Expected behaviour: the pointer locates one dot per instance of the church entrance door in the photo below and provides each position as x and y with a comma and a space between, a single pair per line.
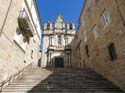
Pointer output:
59, 62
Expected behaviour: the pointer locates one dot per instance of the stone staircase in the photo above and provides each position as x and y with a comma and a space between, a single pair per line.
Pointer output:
60, 80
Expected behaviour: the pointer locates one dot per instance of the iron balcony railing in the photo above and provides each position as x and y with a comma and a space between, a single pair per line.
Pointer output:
25, 24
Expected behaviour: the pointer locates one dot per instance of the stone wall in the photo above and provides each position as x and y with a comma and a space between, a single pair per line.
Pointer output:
99, 58
12, 57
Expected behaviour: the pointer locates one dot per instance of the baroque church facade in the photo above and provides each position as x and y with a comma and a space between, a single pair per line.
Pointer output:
57, 37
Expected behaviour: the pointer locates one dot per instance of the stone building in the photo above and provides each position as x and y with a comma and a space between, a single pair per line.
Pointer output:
57, 37
100, 41
20, 31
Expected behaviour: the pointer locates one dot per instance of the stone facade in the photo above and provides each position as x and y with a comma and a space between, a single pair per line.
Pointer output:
56, 40
100, 40
19, 36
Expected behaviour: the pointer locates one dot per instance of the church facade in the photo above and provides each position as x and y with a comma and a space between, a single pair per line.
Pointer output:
57, 37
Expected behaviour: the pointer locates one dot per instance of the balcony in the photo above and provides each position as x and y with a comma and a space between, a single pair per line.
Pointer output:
25, 25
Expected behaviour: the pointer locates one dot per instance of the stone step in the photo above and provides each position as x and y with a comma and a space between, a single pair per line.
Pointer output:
74, 84
65, 91
44, 84
58, 89
55, 86
61, 88
61, 81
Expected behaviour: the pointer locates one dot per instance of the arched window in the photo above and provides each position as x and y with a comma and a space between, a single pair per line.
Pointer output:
70, 26
59, 41
48, 26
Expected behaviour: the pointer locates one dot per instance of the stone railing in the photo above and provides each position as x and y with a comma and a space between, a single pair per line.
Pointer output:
14, 77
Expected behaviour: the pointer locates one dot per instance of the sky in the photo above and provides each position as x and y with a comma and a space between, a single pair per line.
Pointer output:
69, 9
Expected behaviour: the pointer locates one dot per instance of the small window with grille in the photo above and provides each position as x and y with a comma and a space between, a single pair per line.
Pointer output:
112, 51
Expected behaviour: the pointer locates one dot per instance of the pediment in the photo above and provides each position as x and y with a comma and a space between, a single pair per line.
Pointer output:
59, 19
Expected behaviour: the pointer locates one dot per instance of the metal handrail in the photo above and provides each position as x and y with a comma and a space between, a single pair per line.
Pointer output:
15, 76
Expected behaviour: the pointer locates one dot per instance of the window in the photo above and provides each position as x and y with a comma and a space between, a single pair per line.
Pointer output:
63, 25
95, 31
59, 41
48, 26
105, 18
50, 40
88, 9
87, 50
70, 26
66, 40
112, 51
